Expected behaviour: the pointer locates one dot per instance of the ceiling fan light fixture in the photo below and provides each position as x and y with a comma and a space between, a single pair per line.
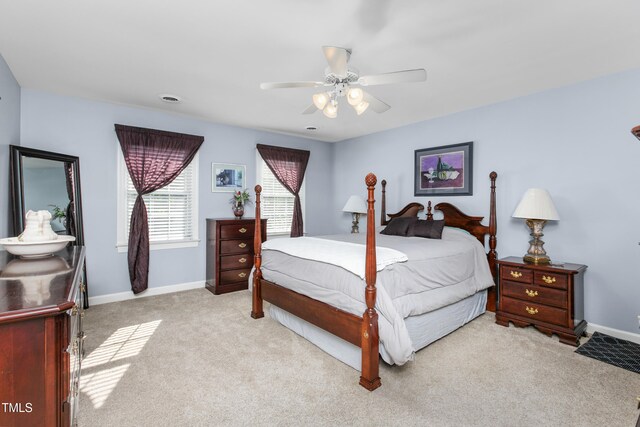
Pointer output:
355, 96
320, 100
361, 107
331, 110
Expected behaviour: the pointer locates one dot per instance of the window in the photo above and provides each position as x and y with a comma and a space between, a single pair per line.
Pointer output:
172, 210
277, 201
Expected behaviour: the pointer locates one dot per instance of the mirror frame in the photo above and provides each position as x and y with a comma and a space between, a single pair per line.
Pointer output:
17, 192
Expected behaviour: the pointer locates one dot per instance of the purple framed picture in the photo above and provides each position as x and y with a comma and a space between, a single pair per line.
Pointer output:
444, 171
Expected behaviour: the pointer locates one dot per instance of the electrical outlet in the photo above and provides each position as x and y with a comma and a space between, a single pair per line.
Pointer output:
639, 321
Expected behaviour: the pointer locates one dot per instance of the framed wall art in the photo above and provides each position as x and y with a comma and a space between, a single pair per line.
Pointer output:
444, 171
227, 177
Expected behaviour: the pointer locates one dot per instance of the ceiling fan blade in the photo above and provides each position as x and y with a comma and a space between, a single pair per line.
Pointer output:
375, 104
284, 85
310, 109
337, 57
406, 76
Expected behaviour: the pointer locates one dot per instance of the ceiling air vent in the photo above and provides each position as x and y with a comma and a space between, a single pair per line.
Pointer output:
171, 99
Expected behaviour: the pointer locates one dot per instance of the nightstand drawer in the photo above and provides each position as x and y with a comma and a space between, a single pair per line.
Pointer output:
236, 247
231, 262
551, 280
240, 231
233, 276
534, 311
535, 294
516, 274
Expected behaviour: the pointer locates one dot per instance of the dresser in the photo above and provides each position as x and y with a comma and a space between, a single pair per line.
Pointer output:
41, 310
230, 253
549, 297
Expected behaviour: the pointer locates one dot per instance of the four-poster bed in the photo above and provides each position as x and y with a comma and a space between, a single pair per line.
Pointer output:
363, 330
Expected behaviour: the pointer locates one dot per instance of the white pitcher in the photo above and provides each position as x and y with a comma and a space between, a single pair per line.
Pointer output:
38, 227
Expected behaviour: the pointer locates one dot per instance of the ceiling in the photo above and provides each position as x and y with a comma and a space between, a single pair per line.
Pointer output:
214, 54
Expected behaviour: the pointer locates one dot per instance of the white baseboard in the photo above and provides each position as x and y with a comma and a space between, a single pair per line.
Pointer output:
122, 296
624, 335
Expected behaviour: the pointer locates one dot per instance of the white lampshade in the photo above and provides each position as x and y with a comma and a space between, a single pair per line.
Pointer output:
355, 204
536, 204
362, 107
331, 110
320, 100
355, 96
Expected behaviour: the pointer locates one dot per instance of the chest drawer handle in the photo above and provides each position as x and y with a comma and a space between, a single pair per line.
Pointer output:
243, 230
242, 260
531, 310
74, 310
531, 293
548, 279
242, 245
516, 274
242, 275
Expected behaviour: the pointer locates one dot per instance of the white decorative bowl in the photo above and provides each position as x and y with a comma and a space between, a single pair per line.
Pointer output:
35, 249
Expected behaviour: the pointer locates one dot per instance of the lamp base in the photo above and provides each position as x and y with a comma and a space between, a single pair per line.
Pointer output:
536, 259
354, 224
536, 253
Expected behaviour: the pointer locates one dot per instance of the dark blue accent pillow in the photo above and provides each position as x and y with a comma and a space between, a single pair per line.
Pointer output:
399, 226
430, 229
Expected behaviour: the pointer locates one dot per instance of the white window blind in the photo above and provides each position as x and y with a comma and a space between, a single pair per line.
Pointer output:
171, 210
277, 201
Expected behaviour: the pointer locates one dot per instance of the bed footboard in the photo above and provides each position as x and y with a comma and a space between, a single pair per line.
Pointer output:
360, 331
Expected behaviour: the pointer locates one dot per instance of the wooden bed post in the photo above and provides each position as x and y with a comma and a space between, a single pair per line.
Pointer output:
493, 255
369, 377
256, 302
383, 208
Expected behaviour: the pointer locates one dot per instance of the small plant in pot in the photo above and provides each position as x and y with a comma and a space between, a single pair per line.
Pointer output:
238, 202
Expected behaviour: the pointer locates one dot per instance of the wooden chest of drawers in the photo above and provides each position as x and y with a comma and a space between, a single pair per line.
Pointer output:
549, 297
230, 253
41, 338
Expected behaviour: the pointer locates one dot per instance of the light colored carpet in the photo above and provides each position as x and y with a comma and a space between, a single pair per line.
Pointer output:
196, 359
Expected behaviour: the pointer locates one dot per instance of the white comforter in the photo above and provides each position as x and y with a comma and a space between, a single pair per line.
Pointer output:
350, 256
437, 273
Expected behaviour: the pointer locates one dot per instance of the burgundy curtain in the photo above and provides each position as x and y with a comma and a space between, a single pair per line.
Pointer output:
71, 208
288, 165
154, 159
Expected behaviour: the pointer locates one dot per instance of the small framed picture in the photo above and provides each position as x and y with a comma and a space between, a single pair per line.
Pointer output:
227, 177
444, 171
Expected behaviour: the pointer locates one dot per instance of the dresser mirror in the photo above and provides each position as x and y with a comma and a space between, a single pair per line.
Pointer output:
43, 180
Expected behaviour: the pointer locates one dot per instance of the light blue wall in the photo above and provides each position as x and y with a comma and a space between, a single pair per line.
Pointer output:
575, 141
9, 135
85, 128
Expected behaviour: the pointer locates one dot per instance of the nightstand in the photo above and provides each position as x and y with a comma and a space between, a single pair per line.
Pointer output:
549, 297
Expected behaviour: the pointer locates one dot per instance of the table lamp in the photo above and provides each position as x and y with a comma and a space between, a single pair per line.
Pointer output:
356, 205
537, 208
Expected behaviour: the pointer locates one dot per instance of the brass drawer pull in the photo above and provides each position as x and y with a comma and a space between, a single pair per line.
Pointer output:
531, 293
531, 310
242, 260
242, 274
242, 245
74, 310
516, 274
548, 279
243, 230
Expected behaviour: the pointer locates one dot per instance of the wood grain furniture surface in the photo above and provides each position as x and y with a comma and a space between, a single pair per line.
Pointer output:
549, 297
361, 331
230, 253
41, 337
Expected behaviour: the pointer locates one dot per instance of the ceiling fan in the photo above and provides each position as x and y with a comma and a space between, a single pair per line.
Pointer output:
341, 80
